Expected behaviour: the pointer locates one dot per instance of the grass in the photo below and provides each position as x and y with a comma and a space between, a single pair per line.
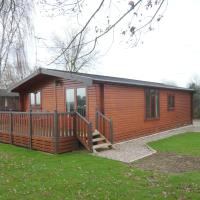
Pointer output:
34, 175
185, 144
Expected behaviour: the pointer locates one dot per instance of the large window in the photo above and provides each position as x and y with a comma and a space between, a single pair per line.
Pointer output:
171, 102
152, 103
35, 98
76, 100
70, 100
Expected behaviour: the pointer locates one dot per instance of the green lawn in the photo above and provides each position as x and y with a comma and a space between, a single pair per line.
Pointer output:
34, 175
185, 144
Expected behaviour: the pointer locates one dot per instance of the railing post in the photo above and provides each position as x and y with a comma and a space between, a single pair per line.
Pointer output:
97, 122
55, 131
90, 135
74, 123
11, 127
30, 129
111, 131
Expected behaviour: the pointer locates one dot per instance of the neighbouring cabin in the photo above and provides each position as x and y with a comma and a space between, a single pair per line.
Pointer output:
9, 101
121, 109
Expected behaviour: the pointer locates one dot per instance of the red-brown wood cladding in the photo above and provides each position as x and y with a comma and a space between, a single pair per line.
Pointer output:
126, 106
53, 96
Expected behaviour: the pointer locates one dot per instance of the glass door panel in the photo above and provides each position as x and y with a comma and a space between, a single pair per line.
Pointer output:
70, 100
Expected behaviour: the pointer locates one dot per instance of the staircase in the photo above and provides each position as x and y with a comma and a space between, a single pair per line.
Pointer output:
99, 142
99, 139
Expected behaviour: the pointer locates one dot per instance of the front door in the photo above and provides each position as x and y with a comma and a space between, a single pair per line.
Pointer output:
76, 100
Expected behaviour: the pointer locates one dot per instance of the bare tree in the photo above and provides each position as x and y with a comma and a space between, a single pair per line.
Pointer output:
75, 58
14, 26
17, 70
142, 14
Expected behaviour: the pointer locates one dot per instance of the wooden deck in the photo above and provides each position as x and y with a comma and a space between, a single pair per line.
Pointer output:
48, 132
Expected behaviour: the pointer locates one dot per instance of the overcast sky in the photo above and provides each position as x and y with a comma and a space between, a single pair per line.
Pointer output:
169, 53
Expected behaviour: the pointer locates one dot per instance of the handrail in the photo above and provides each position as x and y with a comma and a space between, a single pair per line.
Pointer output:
105, 117
83, 118
84, 131
100, 123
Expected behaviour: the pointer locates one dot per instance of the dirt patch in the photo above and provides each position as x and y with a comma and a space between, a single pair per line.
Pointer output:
169, 162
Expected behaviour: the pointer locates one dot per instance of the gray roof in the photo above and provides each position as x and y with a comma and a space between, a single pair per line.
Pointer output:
6, 93
89, 79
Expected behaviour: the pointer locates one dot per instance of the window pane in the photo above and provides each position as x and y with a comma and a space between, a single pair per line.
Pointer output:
38, 98
6, 102
152, 103
148, 104
157, 105
2, 103
171, 101
70, 100
32, 99
81, 101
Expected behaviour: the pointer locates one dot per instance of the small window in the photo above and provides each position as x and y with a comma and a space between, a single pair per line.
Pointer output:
171, 102
152, 103
32, 96
35, 98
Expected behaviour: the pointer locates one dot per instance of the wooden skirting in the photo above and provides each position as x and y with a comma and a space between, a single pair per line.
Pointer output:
46, 144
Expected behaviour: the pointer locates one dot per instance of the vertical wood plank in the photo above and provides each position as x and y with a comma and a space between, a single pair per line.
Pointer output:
30, 129
55, 132
11, 128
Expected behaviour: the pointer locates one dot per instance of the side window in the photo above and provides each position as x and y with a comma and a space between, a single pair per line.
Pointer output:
32, 99
35, 98
70, 100
170, 102
152, 103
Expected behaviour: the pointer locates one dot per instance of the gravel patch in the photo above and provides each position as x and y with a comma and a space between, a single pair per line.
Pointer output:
136, 149
169, 163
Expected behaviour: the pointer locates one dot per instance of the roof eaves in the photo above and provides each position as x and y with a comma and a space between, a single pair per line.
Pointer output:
145, 85
10, 89
67, 75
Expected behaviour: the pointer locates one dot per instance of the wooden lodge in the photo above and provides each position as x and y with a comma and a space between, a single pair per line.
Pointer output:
60, 110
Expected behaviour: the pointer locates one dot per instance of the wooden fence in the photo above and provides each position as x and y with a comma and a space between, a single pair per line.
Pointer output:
45, 131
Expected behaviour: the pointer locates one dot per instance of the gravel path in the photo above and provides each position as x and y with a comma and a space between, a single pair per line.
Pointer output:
136, 149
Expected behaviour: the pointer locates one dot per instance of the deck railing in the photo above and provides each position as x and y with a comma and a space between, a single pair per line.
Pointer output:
56, 130
84, 131
5, 122
104, 125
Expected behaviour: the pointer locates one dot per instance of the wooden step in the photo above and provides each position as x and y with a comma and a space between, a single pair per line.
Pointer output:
95, 133
99, 146
98, 139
